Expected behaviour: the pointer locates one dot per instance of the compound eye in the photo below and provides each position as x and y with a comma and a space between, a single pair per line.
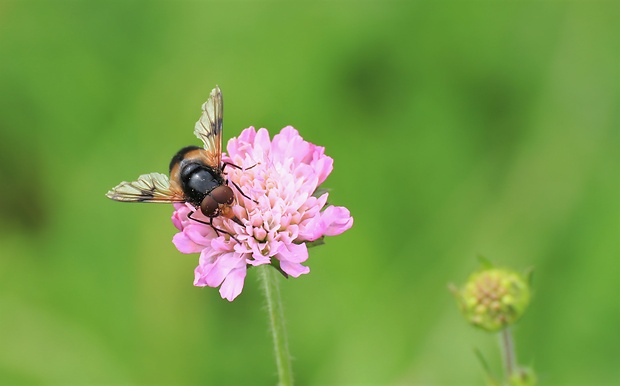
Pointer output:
209, 207
223, 195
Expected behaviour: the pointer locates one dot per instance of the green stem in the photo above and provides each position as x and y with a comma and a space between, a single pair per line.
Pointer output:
508, 349
269, 278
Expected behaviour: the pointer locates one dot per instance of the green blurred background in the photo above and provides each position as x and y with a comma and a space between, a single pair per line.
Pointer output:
457, 129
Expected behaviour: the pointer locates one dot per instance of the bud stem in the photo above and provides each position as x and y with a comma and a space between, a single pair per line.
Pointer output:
269, 278
508, 351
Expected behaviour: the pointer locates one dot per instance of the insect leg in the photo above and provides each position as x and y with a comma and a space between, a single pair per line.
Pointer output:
237, 186
241, 191
210, 223
195, 219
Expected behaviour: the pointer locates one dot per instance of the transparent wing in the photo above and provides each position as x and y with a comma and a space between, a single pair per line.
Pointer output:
209, 126
153, 187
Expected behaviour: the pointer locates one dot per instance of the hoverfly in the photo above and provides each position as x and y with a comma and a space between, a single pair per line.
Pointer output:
196, 174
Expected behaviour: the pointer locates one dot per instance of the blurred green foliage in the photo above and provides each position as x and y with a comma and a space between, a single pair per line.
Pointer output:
457, 128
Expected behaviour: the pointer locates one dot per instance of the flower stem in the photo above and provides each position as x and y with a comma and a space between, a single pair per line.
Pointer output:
269, 278
508, 351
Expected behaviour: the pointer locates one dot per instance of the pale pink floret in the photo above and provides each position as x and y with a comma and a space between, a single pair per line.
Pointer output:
281, 175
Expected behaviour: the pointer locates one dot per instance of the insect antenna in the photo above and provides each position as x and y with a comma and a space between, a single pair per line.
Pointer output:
237, 166
233, 182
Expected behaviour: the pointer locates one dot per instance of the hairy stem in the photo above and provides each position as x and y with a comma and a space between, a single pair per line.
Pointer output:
269, 278
508, 352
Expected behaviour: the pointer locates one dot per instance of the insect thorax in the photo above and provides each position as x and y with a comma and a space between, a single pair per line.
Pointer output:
197, 180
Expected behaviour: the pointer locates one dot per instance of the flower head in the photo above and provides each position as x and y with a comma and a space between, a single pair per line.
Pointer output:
493, 298
281, 176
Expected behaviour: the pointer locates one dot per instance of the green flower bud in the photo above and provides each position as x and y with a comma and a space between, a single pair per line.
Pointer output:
524, 376
493, 298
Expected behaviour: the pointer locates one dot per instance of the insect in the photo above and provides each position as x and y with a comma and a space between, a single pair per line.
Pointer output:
196, 174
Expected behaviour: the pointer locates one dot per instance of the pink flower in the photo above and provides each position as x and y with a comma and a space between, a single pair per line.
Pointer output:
281, 175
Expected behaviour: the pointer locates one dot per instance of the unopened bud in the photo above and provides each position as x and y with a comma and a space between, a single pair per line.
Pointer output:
524, 376
493, 298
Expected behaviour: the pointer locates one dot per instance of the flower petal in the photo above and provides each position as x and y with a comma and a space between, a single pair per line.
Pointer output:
237, 147
185, 245
289, 144
323, 167
233, 284
336, 220
222, 266
290, 257
294, 269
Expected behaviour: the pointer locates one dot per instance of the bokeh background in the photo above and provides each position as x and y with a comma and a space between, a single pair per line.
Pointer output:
458, 129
